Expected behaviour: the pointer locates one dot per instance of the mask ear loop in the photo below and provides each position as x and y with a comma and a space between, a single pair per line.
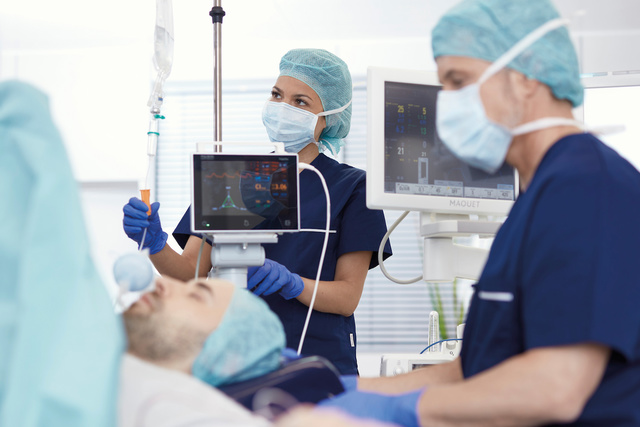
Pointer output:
546, 122
521, 46
327, 113
336, 110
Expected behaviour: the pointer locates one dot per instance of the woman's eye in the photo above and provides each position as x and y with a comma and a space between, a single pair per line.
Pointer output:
457, 83
275, 95
301, 102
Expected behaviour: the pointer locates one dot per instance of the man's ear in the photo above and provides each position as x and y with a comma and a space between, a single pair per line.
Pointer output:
525, 87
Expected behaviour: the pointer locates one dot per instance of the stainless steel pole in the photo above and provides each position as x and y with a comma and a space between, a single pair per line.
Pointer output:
217, 13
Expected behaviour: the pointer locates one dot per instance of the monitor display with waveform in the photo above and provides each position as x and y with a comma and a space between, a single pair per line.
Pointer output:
235, 192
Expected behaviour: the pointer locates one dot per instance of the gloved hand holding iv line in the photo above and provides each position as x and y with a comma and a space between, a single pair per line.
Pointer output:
143, 228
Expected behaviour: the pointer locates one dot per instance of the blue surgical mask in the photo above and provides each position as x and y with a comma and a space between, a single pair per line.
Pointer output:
463, 124
292, 126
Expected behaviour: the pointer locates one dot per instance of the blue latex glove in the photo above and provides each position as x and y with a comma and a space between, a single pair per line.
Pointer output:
136, 220
273, 277
349, 382
399, 409
289, 354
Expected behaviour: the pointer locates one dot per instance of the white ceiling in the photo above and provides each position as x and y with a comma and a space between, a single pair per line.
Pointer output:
36, 24
88, 53
255, 26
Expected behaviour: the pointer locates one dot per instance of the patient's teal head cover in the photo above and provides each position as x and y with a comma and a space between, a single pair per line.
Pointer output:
60, 342
247, 343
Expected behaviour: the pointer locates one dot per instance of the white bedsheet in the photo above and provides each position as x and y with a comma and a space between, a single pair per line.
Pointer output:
157, 397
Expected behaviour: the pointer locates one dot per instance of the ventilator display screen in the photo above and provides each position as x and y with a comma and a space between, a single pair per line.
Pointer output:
233, 192
418, 163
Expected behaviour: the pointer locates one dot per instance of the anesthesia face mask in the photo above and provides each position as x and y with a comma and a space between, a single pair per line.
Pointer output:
134, 275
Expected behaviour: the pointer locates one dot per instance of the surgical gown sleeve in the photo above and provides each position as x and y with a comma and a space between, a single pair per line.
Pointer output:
60, 342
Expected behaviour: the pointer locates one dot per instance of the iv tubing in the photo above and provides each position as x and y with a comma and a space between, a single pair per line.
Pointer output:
200, 256
152, 145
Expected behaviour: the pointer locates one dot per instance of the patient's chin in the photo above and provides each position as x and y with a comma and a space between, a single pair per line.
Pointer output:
153, 338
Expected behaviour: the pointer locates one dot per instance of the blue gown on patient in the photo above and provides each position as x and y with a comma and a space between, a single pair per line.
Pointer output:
563, 270
358, 228
60, 342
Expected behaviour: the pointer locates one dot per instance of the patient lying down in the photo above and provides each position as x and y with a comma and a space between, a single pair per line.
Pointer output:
185, 338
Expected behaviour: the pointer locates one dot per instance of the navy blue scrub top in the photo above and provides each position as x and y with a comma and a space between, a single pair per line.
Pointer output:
563, 270
358, 228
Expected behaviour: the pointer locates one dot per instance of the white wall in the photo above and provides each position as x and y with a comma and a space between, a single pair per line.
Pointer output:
102, 205
95, 72
96, 63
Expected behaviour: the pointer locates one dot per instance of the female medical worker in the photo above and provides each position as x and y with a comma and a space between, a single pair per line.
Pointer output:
310, 110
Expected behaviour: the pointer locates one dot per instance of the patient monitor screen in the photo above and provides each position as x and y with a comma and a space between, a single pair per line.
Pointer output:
245, 192
417, 162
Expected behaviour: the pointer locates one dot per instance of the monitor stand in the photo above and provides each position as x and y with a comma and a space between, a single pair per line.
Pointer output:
233, 253
444, 260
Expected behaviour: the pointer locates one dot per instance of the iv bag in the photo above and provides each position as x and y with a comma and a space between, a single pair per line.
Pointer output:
163, 38
163, 49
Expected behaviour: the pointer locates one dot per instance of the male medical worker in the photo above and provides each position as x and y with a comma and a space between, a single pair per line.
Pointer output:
185, 339
553, 332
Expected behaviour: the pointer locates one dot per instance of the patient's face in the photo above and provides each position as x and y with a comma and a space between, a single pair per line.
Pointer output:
172, 322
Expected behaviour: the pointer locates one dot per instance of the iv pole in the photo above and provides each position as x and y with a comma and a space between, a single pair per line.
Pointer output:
217, 14
232, 253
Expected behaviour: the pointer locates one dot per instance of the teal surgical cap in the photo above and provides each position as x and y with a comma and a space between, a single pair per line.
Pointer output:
485, 29
329, 77
60, 341
246, 344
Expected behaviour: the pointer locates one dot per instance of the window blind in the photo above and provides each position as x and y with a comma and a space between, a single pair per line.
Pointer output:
390, 317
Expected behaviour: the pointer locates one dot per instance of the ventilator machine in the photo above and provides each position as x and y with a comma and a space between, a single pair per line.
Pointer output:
457, 203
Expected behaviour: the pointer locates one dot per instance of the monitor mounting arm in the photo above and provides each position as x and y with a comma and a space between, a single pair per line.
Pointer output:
444, 259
